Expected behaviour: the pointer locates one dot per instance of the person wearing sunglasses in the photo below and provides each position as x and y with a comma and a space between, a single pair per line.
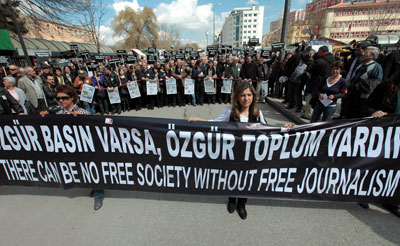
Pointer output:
66, 96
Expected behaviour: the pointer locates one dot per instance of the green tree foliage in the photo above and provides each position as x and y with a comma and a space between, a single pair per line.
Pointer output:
140, 28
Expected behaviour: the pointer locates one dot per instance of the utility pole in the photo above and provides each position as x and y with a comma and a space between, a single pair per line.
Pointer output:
285, 22
21, 40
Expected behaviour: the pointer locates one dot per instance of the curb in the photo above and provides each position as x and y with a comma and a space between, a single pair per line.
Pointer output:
291, 116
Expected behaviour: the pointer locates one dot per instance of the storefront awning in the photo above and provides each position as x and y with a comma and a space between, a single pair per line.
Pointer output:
5, 42
55, 47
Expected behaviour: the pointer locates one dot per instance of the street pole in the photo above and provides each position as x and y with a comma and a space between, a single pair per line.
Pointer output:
21, 40
214, 27
285, 22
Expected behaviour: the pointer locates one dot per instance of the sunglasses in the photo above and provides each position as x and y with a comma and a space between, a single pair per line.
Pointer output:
62, 98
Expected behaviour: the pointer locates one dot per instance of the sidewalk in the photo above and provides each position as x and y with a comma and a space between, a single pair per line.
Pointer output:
290, 113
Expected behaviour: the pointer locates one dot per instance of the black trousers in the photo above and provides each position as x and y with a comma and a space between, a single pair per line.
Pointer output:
238, 201
295, 96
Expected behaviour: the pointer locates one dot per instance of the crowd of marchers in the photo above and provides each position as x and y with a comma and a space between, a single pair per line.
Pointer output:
310, 81
36, 87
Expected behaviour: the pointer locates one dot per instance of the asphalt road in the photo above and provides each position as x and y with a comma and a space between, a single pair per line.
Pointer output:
47, 216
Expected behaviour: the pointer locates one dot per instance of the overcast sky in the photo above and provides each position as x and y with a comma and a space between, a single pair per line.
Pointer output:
194, 17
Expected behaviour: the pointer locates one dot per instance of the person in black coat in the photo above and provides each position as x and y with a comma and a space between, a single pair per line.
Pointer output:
111, 82
383, 101
249, 71
8, 103
147, 74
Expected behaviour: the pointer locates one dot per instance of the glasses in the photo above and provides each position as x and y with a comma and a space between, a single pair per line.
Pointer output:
13, 69
62, 98
81, 74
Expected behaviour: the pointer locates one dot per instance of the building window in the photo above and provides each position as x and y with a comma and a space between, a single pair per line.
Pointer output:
357, 34
255, 20
255, 26
397, 21
365, 23
359, 23
341, 35
245, 20
351, 34
347, 34
254, 31
332, 35
339, 24
245, 15
255, 15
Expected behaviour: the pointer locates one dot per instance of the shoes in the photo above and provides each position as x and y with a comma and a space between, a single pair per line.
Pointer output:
289, 106
201, 104
242, 211
98, 204
392, 208
304, 117
364, 205
231, 207
298, 110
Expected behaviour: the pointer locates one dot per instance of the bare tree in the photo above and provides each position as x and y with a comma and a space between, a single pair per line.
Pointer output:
53, 10
92, 18
168, 37
316, 22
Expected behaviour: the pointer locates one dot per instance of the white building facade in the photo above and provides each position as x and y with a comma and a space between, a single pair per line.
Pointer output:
242, 24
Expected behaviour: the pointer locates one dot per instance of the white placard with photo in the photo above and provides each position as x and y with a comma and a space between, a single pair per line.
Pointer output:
264, 88
114, 96
87, 93
171, 86
151, 87
209, 86
133, 89
189, 87
226, 87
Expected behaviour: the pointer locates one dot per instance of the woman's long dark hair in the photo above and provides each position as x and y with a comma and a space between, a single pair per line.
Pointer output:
237, 108
393, 88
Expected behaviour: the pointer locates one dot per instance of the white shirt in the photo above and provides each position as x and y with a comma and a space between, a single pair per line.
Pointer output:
226, 114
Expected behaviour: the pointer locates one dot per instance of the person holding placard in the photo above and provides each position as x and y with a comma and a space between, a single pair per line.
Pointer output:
123, 90
177, 74
111, 82
147, 76
170, 99
211, 75
327, 92
79, 82
100, 95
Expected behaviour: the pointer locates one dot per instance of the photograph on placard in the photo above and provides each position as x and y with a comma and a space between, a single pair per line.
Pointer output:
171, 86
151, 87
133, 89
87, 93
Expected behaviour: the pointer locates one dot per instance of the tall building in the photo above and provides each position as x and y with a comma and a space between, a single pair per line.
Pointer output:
242, 24
348, 20
297, 16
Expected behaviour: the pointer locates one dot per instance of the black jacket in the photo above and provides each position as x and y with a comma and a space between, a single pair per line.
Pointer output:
248, 71
8, 102
50, 93
111, 80
321, 68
